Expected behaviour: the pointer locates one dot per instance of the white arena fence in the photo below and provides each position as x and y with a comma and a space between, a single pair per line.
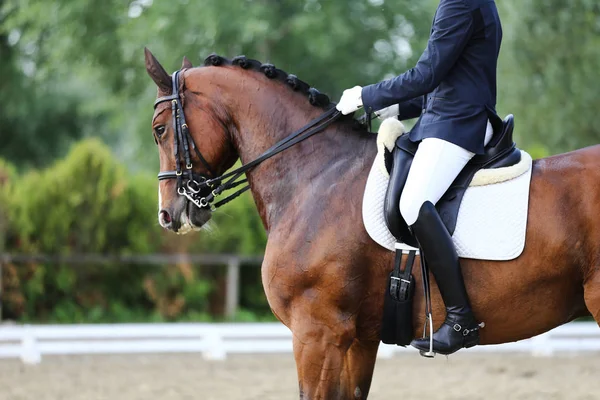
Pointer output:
214, 341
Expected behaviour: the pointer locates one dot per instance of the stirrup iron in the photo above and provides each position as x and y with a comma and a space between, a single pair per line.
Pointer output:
428, 321
428, 316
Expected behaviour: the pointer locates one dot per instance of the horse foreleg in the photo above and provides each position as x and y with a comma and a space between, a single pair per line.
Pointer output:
333, 367
328, 309
591, 293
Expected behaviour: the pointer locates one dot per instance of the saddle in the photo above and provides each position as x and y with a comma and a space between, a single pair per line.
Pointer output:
500, 152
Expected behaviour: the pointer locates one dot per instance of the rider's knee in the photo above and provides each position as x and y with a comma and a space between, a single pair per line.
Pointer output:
409, 208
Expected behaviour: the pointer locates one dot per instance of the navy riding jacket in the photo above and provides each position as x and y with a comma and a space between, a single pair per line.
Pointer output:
453, 86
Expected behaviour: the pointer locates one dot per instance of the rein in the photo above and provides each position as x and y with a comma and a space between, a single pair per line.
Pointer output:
202, 190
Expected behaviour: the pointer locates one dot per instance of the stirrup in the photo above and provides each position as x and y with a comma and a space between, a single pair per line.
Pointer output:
430, 353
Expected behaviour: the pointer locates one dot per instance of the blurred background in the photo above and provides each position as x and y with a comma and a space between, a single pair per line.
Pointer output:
78, 164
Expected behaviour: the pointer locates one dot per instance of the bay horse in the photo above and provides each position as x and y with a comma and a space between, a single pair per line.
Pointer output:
323, 276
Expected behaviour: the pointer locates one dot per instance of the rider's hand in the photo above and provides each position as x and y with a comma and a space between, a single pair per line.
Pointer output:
388, 112
351, 100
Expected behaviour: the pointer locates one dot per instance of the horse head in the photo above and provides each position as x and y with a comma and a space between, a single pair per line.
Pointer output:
192, 132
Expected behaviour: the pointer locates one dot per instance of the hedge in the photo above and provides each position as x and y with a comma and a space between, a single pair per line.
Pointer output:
89, 203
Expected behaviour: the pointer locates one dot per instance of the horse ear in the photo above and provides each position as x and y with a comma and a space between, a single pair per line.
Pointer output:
186, 63
157, 72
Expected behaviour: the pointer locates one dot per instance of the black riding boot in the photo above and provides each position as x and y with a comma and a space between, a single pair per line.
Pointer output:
460, 329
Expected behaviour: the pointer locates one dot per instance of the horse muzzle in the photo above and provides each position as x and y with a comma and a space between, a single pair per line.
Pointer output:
183, 217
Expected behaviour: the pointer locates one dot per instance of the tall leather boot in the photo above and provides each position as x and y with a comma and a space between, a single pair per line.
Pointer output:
460, 329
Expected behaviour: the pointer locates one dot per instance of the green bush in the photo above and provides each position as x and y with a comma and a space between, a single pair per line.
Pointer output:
7, 174
88, 203
83, 203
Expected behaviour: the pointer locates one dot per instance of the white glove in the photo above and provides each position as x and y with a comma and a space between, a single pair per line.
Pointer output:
351, 100
388, 112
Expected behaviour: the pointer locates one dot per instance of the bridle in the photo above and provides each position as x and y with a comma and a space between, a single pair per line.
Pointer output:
201, 189
182, 140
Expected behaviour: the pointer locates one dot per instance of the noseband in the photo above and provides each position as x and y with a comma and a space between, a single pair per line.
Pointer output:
201, 189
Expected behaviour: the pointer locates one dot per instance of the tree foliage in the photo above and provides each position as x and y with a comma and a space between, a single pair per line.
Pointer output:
74, 68
94, 50
38, 116
549, 72
88, 203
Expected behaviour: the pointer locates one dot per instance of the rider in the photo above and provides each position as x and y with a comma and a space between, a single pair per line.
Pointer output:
453, 89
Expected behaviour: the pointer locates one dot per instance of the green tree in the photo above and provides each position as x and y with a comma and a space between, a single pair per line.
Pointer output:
549, 72
87, 203
93, 50
40, 115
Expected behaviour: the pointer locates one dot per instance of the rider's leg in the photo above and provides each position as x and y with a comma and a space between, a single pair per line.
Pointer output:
435, 166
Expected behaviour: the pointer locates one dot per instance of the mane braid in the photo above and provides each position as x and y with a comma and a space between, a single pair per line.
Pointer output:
315, 97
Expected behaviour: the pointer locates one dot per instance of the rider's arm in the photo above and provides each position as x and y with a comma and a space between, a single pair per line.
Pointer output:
405, 110
410, 109
452, 29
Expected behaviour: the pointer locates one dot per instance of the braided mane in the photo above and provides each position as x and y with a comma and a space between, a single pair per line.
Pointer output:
315, 97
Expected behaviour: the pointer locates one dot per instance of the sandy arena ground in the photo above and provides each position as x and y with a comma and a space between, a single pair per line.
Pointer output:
137, 377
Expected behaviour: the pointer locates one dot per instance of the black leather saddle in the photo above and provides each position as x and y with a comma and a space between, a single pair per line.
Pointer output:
500, 152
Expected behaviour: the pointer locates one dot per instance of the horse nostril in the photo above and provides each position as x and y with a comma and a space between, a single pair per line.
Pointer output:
164, 218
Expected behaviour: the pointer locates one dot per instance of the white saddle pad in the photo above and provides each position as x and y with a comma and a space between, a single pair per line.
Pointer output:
492, 218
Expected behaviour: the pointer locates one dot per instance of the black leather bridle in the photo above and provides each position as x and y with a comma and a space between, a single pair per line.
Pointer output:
182, 140
202, 189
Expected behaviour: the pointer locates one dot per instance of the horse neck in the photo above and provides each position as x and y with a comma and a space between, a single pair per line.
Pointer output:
262, 120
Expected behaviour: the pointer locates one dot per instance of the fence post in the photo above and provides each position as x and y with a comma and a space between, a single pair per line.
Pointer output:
232, 295
30, 353
214, 349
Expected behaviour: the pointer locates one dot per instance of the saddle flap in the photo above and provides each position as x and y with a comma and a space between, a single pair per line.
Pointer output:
402, 160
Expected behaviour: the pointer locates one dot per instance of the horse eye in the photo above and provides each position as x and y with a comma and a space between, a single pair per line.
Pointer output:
159, 130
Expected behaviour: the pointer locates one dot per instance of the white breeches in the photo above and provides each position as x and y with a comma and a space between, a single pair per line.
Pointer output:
435, 166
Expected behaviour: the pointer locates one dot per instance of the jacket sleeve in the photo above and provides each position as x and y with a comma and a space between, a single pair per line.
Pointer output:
411, 108
451, 31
